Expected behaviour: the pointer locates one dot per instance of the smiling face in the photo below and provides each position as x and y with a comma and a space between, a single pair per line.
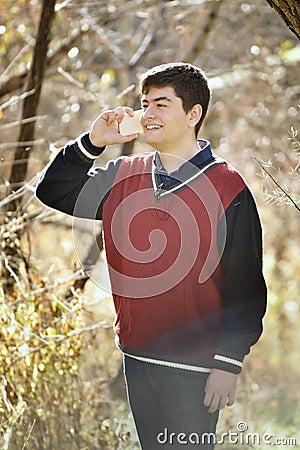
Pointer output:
166, 125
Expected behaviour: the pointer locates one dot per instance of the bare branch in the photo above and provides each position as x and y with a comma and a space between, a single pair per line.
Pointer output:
13, 63
29, 186
70, 78
21, 121
18, 81
17, 98
116, 51
62, 338
28, 436
287, 195
23, 143
148, 38
200, 41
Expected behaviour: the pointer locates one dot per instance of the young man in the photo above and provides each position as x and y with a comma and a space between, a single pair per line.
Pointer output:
184, 251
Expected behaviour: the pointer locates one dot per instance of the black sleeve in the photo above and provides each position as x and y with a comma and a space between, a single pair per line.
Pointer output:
70, 185
245, 291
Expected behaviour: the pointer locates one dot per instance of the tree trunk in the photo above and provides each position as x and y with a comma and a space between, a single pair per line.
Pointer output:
289, 11
12, 254
30, 105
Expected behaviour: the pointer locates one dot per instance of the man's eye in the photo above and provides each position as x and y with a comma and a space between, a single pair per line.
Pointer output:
161, 105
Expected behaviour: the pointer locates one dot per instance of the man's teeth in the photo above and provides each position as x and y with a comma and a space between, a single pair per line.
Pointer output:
153, 127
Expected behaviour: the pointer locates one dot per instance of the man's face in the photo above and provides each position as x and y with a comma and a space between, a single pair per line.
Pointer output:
164, 120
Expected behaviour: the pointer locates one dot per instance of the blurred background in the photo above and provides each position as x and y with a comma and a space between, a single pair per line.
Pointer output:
61, 63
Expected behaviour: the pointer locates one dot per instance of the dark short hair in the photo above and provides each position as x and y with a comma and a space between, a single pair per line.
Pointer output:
188, 81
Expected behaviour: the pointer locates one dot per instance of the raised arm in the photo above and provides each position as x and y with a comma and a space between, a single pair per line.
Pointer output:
69, 184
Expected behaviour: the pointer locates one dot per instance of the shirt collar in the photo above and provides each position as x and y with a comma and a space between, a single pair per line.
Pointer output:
164, 183
200, 158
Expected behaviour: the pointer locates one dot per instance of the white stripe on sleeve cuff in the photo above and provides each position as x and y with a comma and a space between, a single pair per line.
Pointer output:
228, 360
83, 149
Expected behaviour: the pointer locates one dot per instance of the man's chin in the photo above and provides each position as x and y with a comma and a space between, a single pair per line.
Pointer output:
152, 142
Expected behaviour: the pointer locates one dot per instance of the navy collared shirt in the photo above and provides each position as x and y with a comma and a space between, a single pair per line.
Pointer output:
197, 161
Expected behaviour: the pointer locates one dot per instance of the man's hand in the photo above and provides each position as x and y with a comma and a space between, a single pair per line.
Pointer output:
220, 390
105, 129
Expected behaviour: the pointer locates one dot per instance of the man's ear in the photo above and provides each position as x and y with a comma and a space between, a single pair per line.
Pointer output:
195, 115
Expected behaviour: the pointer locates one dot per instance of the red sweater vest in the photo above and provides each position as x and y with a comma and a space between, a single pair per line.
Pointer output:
164, 260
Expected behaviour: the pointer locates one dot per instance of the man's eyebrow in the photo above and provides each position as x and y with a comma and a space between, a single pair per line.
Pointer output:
158, 99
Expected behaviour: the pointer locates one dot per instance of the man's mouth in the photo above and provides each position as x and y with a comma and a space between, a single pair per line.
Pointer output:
153, 127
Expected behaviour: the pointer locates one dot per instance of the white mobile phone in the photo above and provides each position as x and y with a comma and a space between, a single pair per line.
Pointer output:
131, 125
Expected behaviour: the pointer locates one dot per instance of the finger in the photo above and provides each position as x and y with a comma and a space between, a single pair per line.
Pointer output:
104, 116
110, 117
214, 405
222, 402
207, 399
119, 111
128, 138
129, 111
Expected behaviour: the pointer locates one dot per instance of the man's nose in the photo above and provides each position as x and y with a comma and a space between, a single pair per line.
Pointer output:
149, 112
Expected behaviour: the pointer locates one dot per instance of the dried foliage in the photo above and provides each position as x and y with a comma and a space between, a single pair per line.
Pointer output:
44, 398
41, 344
47, 400
283, 187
